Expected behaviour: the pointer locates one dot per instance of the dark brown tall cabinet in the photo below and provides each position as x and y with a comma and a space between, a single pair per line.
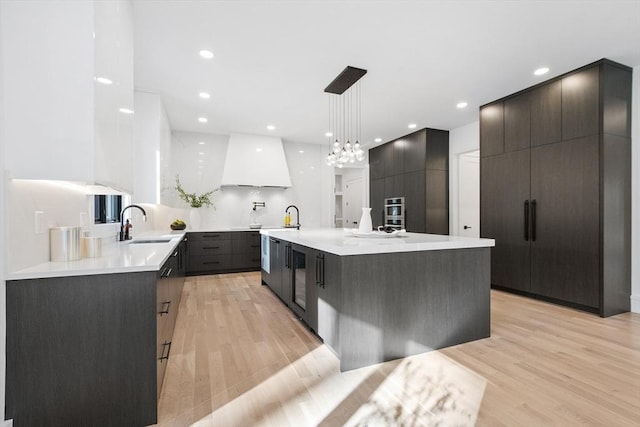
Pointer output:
415, 167
555, 188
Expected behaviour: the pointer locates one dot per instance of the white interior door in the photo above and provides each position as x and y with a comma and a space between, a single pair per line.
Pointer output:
353, 202
469, 194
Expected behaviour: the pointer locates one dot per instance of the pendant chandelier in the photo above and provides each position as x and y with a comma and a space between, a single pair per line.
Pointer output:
345, 118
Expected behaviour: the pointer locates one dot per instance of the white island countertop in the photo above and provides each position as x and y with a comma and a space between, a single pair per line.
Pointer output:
342, 242
121, 257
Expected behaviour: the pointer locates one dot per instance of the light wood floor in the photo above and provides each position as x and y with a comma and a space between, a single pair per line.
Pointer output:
240, 358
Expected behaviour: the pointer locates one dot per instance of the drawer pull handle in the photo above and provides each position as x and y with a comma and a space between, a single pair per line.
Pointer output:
211, 247
165, 308
165, 346
211, 262
166, 273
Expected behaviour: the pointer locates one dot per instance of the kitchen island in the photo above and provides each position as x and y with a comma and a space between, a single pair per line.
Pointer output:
378, 299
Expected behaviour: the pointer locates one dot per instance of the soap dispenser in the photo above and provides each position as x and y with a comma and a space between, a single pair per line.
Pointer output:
287, 219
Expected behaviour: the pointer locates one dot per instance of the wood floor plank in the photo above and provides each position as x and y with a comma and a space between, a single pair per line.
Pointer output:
240, 358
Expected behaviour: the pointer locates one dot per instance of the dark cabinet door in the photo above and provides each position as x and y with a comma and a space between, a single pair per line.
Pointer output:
437, 202
545, 106
286, 265
399, 150
276, 265
329, 301
376, 201
492, 129
387, 158
315, 271
505, 187
436, 150
565, 252
415, 204
415, 151
389, 186
580, 104
376, 166
517, 123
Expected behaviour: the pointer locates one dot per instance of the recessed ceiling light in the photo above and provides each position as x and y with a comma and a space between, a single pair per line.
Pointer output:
206, 54
103, 80
258, 149
201, 142
541, 71
378, 140
203, 119
201, 152
301, 151
328, 134
461, 104
413, 126
200, 160
271, 127
126, 111
204, 95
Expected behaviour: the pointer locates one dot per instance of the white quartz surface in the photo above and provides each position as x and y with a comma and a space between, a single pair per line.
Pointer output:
122, 257
342, 242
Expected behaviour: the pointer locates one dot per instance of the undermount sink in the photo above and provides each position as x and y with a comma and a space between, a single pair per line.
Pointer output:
133, 242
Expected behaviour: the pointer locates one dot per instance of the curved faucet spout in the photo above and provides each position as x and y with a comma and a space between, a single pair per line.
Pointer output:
144, 218
297, 214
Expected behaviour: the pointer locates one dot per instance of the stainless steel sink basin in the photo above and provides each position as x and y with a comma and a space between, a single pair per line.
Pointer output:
133, 242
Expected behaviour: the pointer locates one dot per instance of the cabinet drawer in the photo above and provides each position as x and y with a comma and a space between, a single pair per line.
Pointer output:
207, 237
213, 247
245, 261
209, 262
248, 246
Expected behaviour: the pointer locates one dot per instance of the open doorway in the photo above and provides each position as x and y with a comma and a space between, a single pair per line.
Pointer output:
469, 194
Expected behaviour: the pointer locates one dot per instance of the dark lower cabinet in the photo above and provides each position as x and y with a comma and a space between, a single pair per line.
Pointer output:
91, 350
223, 252
81, 350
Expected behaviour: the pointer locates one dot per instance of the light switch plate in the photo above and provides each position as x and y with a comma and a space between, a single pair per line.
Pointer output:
39, 222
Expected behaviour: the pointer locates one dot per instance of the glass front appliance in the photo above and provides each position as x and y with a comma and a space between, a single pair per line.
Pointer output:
394, 212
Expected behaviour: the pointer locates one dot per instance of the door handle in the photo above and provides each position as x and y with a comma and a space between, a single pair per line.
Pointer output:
526, 220
533, 221
467, 227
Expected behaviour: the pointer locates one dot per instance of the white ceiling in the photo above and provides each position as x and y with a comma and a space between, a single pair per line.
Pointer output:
273, 59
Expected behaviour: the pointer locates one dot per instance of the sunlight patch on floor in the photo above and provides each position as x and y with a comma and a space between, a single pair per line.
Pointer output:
423, 390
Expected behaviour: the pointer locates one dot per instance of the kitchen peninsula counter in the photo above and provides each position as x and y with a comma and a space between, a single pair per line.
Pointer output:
378, 299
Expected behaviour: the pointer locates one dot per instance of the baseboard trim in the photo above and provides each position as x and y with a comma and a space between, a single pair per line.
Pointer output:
635, 303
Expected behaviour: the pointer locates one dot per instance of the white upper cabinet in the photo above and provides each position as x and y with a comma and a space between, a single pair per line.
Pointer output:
59, 123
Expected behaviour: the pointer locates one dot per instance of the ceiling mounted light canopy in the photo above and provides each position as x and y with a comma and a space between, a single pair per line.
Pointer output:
345, 117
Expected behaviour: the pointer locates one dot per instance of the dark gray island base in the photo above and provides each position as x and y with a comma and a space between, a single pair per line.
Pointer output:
378, 306
401, 304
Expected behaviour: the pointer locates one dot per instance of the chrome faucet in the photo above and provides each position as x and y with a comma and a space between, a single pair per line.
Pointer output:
297, 215
123, 235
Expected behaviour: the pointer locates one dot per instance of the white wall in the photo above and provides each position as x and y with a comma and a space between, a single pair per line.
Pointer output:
200, 168
635, 193
461, 140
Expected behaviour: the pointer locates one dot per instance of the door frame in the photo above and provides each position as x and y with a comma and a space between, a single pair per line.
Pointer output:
455, 217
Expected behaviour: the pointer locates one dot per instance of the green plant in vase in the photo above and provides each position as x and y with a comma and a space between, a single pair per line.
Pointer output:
194, 200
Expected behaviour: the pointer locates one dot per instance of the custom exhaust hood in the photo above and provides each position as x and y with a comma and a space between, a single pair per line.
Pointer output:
255, 161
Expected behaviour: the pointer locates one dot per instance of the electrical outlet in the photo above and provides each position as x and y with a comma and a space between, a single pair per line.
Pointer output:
39, 222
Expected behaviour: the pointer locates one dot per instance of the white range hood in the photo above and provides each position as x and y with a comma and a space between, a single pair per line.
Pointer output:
255, 161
